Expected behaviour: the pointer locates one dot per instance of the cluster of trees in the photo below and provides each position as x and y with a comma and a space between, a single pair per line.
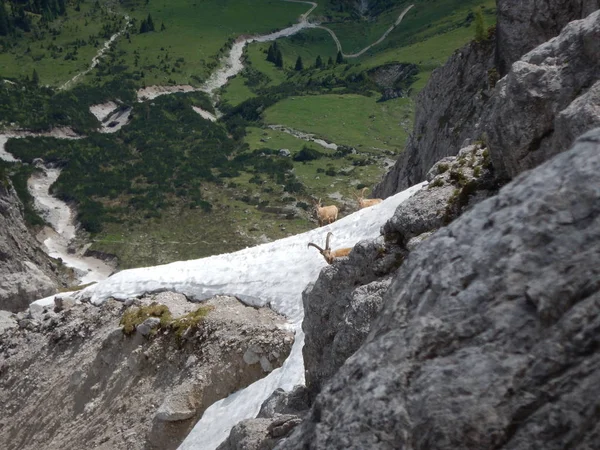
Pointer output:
164, 153
147, 25
18, 17
40, 108
274, 55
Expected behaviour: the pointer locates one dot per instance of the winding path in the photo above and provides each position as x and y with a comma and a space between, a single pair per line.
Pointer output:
379, 41
101, 52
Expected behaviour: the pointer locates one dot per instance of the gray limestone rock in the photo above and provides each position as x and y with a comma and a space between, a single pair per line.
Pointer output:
488, 337
22, 279
548, 98
341, 306
278, 416
7, 321
452, 183
146, 327
73, 379
523, 25
281, 402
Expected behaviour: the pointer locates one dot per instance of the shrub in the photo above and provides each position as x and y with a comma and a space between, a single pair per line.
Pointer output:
307, 154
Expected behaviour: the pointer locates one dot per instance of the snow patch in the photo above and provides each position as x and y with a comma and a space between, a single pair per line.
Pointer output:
273, 274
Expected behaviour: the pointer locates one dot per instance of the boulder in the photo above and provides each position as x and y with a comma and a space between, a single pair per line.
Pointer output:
278, 416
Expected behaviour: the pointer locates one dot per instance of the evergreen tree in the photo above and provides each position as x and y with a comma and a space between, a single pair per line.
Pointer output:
330, 61
150, 23
3, 20
271, 54
279, 59
144, 27
62, 9
479, 26
162, 27
339, 59
319, 62
35, 79
299, 65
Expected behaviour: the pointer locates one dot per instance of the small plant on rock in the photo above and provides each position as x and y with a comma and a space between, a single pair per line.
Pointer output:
135, 316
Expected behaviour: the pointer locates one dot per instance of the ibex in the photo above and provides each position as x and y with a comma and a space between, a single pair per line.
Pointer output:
326, 214
328, 254
366, 202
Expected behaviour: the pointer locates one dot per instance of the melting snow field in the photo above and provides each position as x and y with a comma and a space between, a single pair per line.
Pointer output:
272, 274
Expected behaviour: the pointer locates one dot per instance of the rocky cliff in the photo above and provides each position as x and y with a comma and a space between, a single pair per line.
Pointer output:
488, 335
119, 377
549, 97
450, 108
523, 25
26, 273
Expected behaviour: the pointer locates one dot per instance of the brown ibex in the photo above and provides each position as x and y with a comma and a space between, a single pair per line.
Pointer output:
366, 202
328, 254
326, 214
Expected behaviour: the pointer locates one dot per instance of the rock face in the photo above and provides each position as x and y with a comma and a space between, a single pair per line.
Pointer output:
523, 25
348, 295
450, 108
488, 336
22, 279
549, 98
73, 379
447, 113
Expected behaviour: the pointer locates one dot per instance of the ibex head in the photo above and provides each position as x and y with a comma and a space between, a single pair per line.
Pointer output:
328, 254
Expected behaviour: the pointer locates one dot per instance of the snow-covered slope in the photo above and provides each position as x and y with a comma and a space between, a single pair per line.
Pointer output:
272, 274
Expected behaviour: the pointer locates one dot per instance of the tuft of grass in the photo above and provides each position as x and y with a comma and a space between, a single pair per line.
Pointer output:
135, 316
443, 167
190, 320
438, 182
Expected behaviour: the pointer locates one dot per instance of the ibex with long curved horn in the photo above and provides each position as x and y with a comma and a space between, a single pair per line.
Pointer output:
328, 254
366, 202
327, 214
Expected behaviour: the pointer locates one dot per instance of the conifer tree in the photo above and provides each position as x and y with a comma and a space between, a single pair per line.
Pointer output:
162, 27
279, 59
150, 23
330, 61
3, 20
319, 62
479, 26
144, 27
271, 54
35, 79
299, 65
339, 59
